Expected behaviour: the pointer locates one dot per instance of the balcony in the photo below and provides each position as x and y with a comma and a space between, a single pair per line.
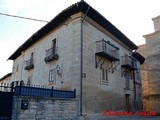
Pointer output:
29, 64
107, 50
129, 62
51, 54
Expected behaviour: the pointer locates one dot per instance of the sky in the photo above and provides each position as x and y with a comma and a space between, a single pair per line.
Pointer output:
131, 17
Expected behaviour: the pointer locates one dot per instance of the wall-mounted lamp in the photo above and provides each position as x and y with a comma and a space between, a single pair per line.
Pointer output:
59, 72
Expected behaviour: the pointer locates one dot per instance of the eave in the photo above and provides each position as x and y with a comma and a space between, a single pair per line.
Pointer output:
63, 16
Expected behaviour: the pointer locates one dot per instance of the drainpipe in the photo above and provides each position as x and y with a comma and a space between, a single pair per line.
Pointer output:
134, 83
22, 65
81, 63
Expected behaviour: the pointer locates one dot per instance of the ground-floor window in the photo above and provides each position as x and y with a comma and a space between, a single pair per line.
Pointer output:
104, 76
52, 76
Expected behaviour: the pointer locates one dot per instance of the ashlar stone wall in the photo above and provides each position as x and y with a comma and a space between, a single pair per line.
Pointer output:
150, 69
44, 109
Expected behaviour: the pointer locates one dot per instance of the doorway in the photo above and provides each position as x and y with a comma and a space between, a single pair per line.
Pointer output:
127, 102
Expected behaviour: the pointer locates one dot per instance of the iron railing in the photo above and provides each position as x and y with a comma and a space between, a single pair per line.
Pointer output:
44, 92
51, 51
129, 62
107, 49
29, 64
51, 54
37, 91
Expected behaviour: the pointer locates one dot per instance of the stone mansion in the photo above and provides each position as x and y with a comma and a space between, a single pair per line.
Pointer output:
80, 49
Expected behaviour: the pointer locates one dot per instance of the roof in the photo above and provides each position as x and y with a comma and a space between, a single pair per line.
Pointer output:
64, 15
5, 76
139, 57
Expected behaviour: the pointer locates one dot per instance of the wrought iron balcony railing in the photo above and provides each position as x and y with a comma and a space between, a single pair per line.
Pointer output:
129, 62
29, 64
107, 50
51, 54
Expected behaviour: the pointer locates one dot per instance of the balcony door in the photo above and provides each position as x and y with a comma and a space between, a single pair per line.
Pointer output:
32, 54
54, 45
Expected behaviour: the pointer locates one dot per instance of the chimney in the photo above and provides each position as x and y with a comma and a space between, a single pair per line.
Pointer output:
156, 21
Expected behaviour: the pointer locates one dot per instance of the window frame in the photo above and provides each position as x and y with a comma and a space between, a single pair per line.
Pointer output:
54, 42
52, 76
104, 75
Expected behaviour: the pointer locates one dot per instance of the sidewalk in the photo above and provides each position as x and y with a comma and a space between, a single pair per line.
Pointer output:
100, 117
134, 118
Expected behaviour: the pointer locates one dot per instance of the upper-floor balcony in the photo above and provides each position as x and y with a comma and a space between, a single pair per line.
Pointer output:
51, 54
29, 64
129, 62
107, 50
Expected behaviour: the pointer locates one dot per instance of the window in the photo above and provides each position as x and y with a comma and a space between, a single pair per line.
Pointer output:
32, 56
54, 43
104, 76
17, 68
52, 75
127, 84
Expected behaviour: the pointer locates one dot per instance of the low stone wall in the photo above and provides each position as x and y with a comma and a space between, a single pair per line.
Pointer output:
43, 108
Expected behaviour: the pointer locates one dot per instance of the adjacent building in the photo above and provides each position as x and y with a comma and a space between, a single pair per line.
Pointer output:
5, 82
150, 71
80, 49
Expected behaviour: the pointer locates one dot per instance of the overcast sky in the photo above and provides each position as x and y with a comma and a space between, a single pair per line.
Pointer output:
132, 17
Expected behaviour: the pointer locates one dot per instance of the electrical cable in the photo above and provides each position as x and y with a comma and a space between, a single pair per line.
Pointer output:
23, 17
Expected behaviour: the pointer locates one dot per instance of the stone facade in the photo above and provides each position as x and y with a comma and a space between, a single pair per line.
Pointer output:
106, 84
67, 43
44, 109
111, 95
150, 69
156, 23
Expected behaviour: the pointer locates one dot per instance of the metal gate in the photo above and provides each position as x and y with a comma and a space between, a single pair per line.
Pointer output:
6, 105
